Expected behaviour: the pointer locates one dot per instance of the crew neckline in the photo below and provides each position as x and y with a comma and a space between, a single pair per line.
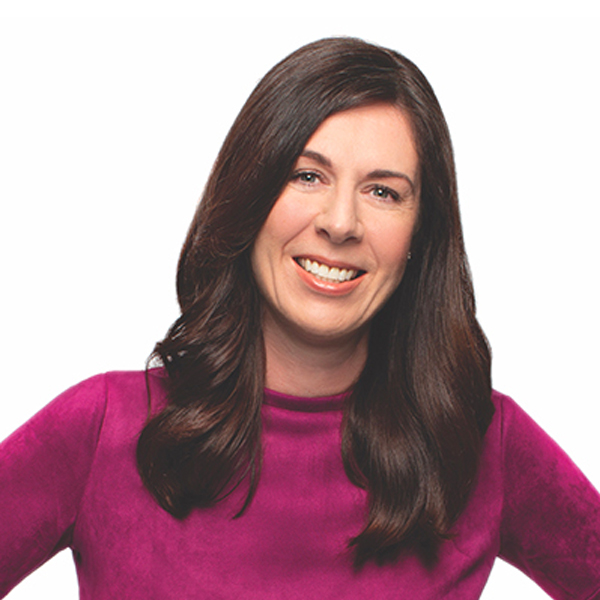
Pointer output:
304, 404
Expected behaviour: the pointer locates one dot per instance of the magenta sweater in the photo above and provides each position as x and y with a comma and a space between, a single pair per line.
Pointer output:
68, 479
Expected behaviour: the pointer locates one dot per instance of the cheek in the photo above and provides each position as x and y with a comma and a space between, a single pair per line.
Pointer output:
288, 218
282, 226
393, 246
269, 238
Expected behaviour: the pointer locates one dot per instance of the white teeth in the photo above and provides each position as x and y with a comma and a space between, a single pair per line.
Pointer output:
333, 274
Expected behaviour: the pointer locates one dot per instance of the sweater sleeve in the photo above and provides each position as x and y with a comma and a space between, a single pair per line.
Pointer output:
44, 467
551, 512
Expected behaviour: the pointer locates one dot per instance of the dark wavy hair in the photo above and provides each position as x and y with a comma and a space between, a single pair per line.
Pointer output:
415, 419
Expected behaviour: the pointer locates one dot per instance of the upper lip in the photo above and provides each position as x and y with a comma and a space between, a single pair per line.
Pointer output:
330, 262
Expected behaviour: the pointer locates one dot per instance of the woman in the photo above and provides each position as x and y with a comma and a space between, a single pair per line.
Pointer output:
323, 423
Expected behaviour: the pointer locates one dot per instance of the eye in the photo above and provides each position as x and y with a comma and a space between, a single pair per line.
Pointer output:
384, 193
306, 177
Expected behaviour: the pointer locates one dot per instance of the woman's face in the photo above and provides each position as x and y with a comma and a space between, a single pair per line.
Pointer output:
335, 245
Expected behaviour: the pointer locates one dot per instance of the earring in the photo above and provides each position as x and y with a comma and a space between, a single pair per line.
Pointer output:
409, 256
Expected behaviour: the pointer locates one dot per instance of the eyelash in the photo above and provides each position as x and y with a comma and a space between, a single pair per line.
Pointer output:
385, 192
300, 174
380, 191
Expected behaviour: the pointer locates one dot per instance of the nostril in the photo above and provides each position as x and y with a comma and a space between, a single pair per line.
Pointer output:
339, 231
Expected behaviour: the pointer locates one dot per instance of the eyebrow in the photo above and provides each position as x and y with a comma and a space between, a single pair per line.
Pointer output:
317, 157
377, 174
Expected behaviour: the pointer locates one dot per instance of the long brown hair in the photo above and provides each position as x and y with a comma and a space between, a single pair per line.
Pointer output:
415, 419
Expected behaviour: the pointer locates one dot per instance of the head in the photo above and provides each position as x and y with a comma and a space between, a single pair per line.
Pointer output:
288, 105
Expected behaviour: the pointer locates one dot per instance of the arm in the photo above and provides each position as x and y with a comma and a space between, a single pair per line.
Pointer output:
44, 467
551, 512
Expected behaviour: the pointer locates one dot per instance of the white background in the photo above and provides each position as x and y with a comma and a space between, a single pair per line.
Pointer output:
108, 129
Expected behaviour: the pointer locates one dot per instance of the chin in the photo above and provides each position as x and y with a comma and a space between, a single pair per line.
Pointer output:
326, 334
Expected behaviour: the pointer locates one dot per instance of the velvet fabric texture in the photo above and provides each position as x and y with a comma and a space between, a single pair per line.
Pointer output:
68, 478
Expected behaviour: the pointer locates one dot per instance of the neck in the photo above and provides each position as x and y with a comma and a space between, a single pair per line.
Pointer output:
303, 366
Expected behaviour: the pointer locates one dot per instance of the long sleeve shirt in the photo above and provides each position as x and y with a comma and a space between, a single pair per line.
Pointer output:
68, 478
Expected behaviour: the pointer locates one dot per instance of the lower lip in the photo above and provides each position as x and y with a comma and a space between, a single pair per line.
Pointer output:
327, 287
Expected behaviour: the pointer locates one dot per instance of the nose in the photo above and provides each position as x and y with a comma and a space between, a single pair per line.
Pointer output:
339, 218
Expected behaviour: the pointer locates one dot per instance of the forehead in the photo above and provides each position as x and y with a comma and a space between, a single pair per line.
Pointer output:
379, 133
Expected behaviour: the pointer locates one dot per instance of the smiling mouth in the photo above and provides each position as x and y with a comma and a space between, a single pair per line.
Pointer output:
327, 273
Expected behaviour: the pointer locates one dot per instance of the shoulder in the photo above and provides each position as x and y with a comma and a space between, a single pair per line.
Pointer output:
132, 395
536, 471
116, 386
505, 406
84, 408
521, 437
525, 457
134, 387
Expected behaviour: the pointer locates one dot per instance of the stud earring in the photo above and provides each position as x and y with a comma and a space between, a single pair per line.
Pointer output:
409, 256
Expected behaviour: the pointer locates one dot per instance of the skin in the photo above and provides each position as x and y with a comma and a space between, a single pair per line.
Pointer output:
352, 202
